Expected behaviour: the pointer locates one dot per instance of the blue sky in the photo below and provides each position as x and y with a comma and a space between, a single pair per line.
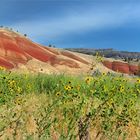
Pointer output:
76, 23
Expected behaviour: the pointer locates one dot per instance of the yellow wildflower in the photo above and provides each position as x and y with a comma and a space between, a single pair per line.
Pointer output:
18, 101
58, 93
19, 90
67, 87
103, 73
88, 79
138, 81
2, 68
121, 88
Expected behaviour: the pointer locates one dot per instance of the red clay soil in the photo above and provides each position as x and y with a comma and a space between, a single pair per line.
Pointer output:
34, 50
68, 54
121, 67
6, 64
66, 62
134, 69
52, 50
11, 52
16, 49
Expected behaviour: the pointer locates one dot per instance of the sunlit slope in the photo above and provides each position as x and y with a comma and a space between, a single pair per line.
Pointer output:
16, 49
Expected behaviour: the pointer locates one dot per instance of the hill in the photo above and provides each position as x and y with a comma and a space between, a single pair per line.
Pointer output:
18, 53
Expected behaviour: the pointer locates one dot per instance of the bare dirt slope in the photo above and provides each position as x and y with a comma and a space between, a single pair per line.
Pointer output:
19, 53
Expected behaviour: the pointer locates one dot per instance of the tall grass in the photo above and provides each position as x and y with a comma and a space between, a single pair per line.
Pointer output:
64, 107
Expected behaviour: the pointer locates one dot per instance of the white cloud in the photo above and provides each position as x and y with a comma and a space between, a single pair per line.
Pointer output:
92, 19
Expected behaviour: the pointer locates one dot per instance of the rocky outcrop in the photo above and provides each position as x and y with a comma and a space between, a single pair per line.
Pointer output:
121, 67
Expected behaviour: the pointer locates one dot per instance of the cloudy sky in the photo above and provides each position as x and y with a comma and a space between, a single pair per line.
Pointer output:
76, 23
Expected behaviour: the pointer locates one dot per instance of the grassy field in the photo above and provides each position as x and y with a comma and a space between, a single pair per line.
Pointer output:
60, 107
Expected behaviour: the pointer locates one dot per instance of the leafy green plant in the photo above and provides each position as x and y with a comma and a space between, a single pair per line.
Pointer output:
65, 107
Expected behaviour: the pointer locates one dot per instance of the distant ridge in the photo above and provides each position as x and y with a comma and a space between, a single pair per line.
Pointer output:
109, 53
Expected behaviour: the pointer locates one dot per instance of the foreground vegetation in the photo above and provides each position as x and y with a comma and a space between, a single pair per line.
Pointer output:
51, 107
